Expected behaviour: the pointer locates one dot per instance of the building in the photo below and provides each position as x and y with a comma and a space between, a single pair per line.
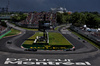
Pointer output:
60, 10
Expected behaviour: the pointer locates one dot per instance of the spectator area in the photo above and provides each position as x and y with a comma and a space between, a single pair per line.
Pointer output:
34, 18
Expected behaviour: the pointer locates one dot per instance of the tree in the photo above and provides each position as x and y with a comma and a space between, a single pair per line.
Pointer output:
96, 22
78, 19
90, 22
19, 17
59, 18
63, 18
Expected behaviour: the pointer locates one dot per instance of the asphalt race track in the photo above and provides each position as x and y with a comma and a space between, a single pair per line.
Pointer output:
84, 55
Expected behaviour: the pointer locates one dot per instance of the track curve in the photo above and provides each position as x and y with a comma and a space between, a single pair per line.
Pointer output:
19, 39
84, 51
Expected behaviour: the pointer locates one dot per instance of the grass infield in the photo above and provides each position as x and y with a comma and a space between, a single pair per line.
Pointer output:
54, 39
5, 34
13, 32
57, 39
31, 39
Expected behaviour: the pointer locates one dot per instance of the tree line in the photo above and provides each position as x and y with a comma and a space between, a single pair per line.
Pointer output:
91, 19
18, 17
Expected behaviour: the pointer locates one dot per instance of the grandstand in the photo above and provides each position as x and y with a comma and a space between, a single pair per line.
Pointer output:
33, 19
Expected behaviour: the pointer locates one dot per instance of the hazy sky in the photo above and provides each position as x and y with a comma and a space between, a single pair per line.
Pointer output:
45, 5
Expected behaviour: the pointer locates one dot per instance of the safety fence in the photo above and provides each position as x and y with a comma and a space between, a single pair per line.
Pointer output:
85, 34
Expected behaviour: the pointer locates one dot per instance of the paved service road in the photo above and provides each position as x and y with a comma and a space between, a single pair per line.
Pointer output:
12, 55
